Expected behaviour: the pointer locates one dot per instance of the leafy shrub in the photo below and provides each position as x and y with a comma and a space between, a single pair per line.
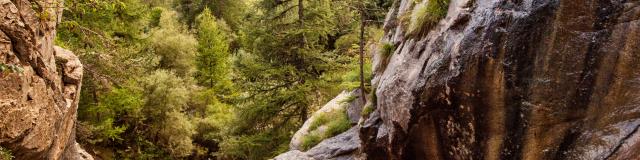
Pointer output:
10, 68
349, 99
387, 50
172, 42
320, 120
347, 42
155, 15
351, 80
426, 14
310, 140
5, 154
385, 54
367, 110
338, 125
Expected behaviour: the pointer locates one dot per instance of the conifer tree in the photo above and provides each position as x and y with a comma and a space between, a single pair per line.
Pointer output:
212, 61
284, 74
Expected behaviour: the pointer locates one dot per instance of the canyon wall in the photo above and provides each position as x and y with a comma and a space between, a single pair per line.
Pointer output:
39, 83
509, 79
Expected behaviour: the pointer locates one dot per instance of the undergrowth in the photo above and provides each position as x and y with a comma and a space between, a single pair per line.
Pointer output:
367, 110
10, 68
426, 14
5, 154
336, 122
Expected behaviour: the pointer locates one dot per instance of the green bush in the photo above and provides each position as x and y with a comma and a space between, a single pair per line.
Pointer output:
5, 154
426, 14
346, 42
351, 80
349, 99
338, 125
367, 110
387, 50
319, 121
173, 43
155, 15
10, 68
336, 121
310, 140
385, 53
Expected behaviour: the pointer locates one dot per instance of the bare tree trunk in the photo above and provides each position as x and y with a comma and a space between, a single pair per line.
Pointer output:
362, 28
301, 21
303, 43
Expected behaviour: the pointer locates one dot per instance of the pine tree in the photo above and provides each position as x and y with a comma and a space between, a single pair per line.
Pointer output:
283, 73
212, 61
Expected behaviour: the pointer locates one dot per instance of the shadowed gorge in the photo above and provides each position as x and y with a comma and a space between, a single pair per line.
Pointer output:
320, 79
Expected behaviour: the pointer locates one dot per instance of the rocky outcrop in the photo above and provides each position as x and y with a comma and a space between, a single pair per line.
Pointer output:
38, 99
505, 79
341, 147
345, 101
510, 79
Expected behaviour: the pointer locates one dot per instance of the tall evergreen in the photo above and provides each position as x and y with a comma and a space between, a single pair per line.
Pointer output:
284, 73
212, 61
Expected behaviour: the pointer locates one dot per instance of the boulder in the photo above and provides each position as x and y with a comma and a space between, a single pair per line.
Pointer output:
347, 101
341, 147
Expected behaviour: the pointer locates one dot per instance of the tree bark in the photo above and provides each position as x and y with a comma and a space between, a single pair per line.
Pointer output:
362, 28
303, 43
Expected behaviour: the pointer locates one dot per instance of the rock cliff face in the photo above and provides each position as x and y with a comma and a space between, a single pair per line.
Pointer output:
510, 79
39, 97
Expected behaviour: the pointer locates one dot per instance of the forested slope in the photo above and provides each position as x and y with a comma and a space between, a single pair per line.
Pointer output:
201, 79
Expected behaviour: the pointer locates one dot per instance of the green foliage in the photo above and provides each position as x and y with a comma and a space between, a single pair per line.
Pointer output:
347, 42
175, 46
309, 141
4, 68
351, 79
349, 99
164, 92
166, 97
254, 146
212, 61
385, 55
175, 134
231, 11
214, 81
119, 102
5, 154
387, 50
283, 71
155, 16
106, 130
320, 120
426, 14
336, 122
367, 110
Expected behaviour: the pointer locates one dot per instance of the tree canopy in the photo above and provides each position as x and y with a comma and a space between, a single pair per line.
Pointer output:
209, 79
